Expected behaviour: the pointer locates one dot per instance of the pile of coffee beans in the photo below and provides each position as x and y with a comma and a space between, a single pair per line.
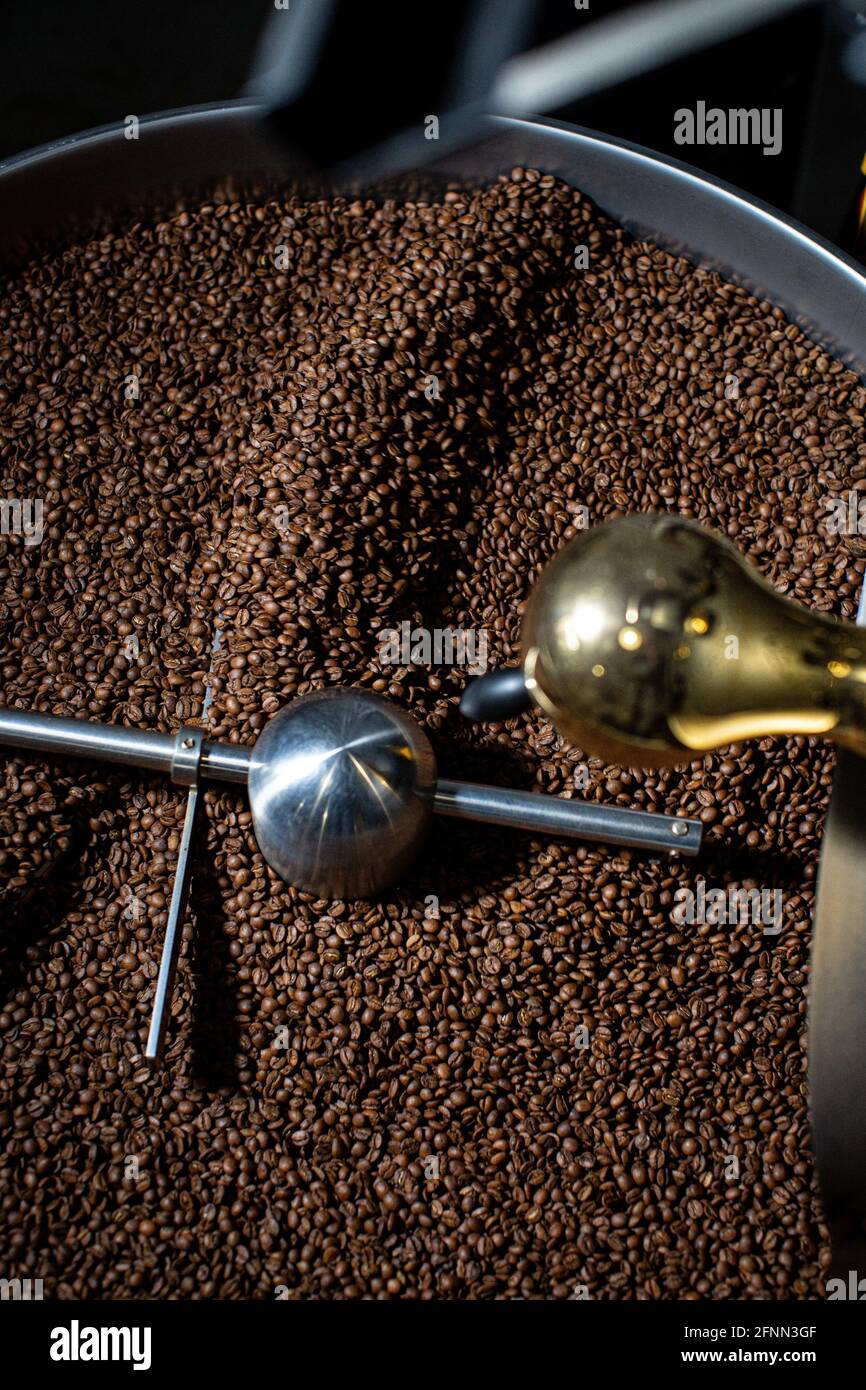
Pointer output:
263, 433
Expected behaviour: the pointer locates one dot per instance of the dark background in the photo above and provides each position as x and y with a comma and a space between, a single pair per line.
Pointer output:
72, 66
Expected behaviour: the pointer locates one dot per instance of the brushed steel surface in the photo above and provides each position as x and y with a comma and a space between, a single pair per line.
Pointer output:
59, 737
81, 738
186, 756
341, 790
569, 817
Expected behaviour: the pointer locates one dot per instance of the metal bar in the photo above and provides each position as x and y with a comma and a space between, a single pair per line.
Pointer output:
79, 738
837, 1020
114, 743
225, 762
612, 50
173, 933
554, 815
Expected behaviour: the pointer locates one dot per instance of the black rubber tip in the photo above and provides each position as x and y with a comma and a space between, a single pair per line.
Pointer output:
498, 695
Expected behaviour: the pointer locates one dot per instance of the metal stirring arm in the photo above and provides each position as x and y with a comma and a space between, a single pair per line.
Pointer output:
185, 767
188, 758
173, 934
184, 756
225, 762
318, 57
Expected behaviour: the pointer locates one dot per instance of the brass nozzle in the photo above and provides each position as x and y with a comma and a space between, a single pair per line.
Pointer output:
649, 641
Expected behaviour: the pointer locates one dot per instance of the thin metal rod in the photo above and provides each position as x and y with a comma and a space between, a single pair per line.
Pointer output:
612, 50
554, 815
115, 743
173, 933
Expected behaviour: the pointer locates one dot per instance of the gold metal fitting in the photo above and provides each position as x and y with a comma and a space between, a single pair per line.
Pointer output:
650, 641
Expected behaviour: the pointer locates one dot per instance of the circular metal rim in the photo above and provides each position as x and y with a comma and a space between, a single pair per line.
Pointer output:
228, 111
94, 135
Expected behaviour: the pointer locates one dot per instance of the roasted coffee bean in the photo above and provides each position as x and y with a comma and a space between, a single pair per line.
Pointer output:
518, 1075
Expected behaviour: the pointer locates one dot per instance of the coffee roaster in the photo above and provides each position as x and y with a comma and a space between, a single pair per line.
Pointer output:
281, 131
